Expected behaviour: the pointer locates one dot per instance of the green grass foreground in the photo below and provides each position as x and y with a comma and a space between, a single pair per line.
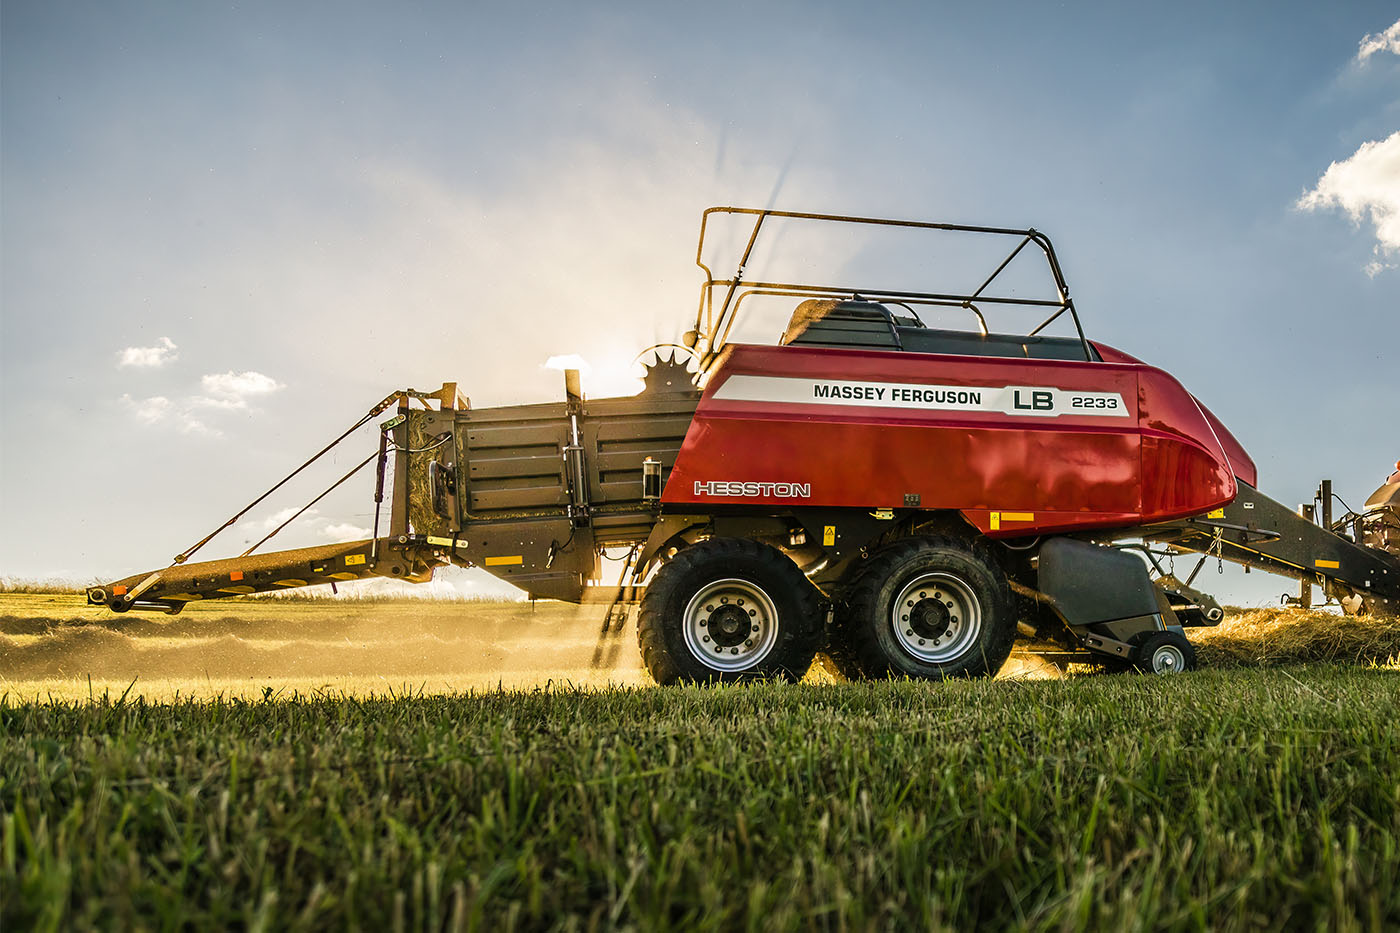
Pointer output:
1227, 799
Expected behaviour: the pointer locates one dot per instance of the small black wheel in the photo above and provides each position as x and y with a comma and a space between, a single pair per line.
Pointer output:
929, 608
1165, 653
728, 609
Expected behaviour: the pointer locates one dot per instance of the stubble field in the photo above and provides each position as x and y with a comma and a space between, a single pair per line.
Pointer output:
354, 766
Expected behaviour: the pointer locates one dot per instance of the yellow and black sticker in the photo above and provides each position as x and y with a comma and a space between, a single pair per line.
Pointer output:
1216, 513
352, 559
828, 535
999, 517
883, 515
1329, 564
504, 561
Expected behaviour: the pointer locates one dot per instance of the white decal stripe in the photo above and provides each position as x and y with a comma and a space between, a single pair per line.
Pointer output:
1029, 401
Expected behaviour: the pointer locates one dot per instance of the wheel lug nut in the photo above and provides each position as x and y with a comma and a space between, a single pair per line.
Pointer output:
733, 650
710, 608
704, 637
755, 628
909, 632
748, 643
923, 595
719, 650
723, 600
753, 612
921, 641
739, 602
949, 604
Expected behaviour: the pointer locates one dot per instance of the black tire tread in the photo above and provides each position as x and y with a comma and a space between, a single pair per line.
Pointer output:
863, 656
797, 644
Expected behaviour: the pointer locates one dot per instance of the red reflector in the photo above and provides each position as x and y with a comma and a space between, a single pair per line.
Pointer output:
118, 591
236, 575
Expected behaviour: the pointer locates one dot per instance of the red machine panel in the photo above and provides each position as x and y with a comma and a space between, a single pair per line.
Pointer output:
1019, 446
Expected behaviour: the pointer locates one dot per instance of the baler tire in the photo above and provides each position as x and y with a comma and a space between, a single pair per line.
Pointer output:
980, 624
782, 602
1165, 653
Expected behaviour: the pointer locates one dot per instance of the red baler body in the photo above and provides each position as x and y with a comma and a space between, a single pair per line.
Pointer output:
1155, 455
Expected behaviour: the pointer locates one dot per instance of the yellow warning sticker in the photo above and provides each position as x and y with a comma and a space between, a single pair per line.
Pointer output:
504, 561
352, 559
1330, 564
1216, 513
998, 517
883, 515
828, 535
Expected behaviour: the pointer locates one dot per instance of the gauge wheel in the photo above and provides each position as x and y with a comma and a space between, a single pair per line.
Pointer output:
728, 609
1165, 653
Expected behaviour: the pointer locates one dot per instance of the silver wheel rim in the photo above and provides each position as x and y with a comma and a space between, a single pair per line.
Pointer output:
936, 618
1168, 659
730, 625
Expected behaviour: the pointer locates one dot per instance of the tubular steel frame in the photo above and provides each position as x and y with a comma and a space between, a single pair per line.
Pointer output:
713, 327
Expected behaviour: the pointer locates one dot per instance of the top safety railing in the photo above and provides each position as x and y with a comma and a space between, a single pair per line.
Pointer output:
714, 324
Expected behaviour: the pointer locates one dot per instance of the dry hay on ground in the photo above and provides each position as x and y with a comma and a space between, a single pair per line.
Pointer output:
1264, 637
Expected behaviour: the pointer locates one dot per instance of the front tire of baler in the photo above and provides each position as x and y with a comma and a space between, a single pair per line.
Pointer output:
930, 608
726, 610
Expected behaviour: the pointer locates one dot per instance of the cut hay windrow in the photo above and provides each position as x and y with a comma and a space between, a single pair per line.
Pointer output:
1267, 637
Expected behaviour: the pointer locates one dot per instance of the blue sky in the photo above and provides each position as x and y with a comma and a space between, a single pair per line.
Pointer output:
286, 210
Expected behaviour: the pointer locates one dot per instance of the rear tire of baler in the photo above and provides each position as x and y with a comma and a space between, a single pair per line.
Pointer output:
762, 610
929, 608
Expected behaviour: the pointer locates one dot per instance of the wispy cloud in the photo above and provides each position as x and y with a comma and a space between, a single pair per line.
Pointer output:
344, 531
158, 410
1367, 186
148, 357
228, 391
1387, 41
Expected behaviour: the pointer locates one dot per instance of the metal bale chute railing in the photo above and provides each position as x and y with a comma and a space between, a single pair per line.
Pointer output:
713, 327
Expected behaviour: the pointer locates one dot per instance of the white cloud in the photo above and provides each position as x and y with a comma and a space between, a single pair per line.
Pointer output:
1388, 41
568, 361
344, 531
1367, 187
619, 376
148, 357
235, 386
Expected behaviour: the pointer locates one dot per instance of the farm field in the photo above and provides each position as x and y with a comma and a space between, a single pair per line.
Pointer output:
329, 771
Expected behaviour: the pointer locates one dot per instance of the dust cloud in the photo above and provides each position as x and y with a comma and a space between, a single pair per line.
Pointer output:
245, 650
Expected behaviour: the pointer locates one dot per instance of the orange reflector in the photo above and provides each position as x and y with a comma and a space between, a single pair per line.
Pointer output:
118, 591
236, 575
